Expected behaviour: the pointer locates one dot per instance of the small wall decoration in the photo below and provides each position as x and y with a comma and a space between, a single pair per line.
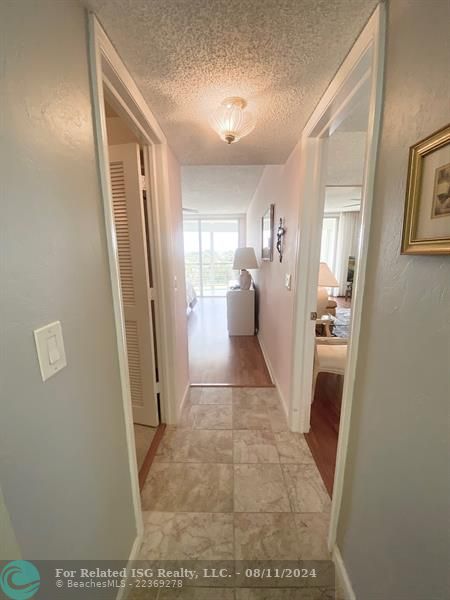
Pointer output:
426, 226
281, 231
267, 226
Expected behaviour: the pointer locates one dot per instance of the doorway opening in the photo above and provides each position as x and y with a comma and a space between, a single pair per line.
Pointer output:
133, 170
339, 256
221, 352
135, 247
339, 145
342, 167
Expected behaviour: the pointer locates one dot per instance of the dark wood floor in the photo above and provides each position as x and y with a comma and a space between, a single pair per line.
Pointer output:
216, 358
322, 438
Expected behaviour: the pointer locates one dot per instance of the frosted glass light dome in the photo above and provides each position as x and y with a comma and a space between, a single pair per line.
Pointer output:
231, 121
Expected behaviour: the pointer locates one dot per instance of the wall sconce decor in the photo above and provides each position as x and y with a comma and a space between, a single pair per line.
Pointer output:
281, 232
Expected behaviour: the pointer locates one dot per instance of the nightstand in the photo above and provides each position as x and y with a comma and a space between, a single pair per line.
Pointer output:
241, 312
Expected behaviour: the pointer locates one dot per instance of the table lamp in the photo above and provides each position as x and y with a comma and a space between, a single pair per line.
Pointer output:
245, 258
326, 280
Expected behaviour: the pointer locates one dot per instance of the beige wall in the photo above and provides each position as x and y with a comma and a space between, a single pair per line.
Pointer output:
279, 185
9, 549
119, 132
393, 530
345, 157
181, 373
63, 458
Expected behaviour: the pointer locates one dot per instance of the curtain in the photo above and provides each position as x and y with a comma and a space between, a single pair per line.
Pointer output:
347, 245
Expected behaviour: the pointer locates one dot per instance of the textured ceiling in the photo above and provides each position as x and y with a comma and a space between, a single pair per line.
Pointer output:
187, 55
219, 189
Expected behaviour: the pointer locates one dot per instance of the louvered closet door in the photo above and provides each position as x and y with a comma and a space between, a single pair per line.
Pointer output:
134, 278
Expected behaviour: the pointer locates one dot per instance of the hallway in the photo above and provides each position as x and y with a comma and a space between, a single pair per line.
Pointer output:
231, 482
216, 358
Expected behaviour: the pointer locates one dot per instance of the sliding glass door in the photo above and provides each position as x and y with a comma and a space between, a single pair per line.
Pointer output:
209, 246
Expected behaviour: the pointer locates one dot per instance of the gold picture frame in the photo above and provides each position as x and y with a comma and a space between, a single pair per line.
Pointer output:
426, 225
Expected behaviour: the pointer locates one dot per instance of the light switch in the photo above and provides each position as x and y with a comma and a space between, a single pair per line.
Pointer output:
53, 352
287, 281
50, 349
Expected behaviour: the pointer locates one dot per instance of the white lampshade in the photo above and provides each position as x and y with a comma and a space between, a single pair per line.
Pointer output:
326, 277
245, 258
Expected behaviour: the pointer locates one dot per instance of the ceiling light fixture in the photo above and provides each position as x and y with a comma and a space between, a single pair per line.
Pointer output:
231, 121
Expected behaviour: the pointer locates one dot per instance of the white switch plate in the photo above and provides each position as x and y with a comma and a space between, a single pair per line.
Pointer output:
287, 281
50, 349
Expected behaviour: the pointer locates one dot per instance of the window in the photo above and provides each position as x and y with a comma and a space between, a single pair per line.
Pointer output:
209, 246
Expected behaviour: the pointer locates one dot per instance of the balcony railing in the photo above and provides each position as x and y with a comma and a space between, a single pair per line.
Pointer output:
215, 276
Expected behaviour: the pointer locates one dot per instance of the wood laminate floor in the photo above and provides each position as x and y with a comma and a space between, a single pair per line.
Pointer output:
322, 438
216, 358
143, 437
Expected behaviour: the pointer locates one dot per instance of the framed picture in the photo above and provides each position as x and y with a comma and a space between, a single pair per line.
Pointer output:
426, 225
267, 224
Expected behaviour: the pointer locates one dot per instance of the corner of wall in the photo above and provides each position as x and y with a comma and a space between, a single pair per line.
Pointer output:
273, 377
344, 587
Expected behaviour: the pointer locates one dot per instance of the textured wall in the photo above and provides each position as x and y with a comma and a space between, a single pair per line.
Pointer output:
63, 458
180, 319
9, 549
278, 185
393, 529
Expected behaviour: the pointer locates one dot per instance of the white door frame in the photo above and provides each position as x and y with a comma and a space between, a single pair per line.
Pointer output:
108, 70
355, 71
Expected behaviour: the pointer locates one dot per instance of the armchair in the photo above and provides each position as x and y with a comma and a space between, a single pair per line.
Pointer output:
330, 356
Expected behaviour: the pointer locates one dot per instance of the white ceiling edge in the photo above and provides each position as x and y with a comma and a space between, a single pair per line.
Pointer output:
219, 189
342, 199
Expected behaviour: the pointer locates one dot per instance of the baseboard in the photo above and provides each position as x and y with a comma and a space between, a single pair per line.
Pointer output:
342, 579
273, 377
134, 555
266, 358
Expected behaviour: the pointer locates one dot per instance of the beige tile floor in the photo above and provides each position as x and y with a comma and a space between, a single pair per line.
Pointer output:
232, 482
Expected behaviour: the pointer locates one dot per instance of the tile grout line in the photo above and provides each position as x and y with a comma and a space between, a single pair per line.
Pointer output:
189, 432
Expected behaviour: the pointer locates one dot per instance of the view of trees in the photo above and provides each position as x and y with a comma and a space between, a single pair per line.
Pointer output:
211, 272
216, 271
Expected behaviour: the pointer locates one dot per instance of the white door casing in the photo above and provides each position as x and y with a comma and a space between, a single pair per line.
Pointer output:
363, 66
130, 228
